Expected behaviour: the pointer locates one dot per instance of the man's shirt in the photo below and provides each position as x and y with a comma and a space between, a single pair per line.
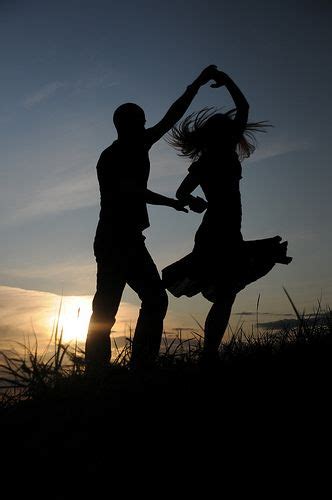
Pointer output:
123, 170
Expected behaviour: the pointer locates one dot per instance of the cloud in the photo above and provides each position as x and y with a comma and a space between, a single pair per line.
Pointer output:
71, 276
98, 78
42, 94
281, 324
21, 310
254, 313
52, 270
24, 312
76, 190
278, 147
70, 189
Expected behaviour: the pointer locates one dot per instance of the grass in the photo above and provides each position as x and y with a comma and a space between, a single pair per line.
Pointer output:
59, 370
267, 398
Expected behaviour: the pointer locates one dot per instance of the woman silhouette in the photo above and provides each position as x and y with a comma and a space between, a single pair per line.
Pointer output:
221, 263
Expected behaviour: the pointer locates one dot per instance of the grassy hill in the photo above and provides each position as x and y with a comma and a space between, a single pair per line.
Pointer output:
270, 393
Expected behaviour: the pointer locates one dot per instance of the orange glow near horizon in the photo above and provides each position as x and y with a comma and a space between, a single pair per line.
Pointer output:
74, 318
75, 313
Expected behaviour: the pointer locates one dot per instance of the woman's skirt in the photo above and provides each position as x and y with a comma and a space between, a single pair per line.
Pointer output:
217, 273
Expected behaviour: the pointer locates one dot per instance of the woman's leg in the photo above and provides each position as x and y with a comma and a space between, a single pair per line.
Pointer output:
216, 324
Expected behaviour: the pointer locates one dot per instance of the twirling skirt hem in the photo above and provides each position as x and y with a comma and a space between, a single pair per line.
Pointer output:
190, 276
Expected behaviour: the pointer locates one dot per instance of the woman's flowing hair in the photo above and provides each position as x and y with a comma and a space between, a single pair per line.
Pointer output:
189, 138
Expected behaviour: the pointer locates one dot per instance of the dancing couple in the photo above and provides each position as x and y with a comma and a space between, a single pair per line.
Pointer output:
221, 262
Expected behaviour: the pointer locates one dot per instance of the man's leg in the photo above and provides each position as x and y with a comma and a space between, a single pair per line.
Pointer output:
145, 280
110, 285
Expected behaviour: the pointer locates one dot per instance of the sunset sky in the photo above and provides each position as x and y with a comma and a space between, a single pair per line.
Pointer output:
65, 67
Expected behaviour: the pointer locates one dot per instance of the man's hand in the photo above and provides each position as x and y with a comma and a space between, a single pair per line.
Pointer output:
179, 206
159, 199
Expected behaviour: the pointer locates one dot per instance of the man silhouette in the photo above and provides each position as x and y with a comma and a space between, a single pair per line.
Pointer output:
122, 258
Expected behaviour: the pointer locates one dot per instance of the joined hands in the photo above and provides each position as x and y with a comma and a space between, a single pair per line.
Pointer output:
212, 73
195, 203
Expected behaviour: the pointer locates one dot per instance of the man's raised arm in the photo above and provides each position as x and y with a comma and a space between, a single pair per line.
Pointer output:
180, 106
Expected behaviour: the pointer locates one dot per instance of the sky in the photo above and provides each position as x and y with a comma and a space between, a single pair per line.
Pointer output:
65, 67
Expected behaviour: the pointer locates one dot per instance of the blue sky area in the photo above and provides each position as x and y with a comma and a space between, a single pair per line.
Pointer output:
65, 67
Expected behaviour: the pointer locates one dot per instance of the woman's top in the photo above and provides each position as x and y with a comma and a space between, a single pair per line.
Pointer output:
219, 176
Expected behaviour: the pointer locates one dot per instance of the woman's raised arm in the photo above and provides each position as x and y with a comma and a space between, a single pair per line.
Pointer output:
241, 103
180, 106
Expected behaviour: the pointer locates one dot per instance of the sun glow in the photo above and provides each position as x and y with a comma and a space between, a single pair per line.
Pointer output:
73, 318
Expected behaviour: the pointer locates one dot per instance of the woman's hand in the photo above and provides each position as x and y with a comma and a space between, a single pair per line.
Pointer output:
209, 73
221, 79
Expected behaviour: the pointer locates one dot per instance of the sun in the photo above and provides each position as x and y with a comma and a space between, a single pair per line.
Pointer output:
74, 318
